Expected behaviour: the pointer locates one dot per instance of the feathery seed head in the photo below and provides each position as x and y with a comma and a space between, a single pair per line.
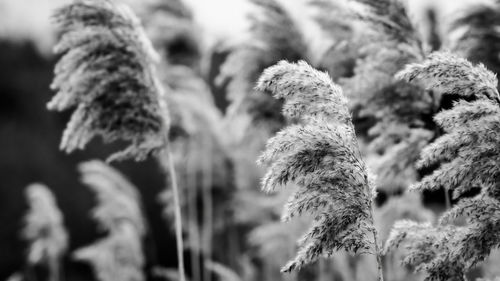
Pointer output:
470, 144
427, 249
116, 257
320, 154
273, 36
170, 24
391, 19
44, 227
107, 73
453, 75
473, 33
469, 156
118, 199
307, 92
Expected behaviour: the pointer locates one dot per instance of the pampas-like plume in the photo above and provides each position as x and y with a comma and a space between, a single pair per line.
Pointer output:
406, 207
342, 40
107, 72
172, 29
397, 114
474, 34
275, 242
400, 113
118, 256
44, 230
118, 199
391, 18
451, 74
423, 244
273, 36
469, 157
321, 155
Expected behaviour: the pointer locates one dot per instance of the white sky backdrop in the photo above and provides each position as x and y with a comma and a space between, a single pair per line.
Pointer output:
22, 19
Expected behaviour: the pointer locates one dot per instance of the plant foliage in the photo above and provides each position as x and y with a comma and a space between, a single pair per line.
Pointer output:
398, 115
320, 154
107, 72
44, 227
170, 25
468, 156
117, 256
474, 34
273, 36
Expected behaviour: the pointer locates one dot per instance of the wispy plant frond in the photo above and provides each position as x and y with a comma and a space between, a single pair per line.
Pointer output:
474, 34
253, 208
273, 36
196, 133
329, 17
253, 116
395, 168
44, 227
468, 154
193, 110
451, 74
423, 244
406, 207
391, 18
117, 256
396, 113
409, 206
118, 199
107, 73
275, 241
275, 29
321, 156
400, 113
469, 149
342, 40
171, 27
308, 93
395, 44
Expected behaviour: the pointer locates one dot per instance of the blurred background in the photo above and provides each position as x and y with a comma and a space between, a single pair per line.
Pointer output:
213, 51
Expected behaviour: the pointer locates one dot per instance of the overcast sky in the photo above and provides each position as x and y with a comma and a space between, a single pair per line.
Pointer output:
217, 18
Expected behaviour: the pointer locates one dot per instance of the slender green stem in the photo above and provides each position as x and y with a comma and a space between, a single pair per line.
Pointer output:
207, 206
378, 252
378, 256
54, 269
171, 170
191, 181
178, 218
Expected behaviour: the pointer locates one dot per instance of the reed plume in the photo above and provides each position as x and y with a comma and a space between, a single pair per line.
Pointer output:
44, 230
107, 71
467, 156
321, 155
117, 256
